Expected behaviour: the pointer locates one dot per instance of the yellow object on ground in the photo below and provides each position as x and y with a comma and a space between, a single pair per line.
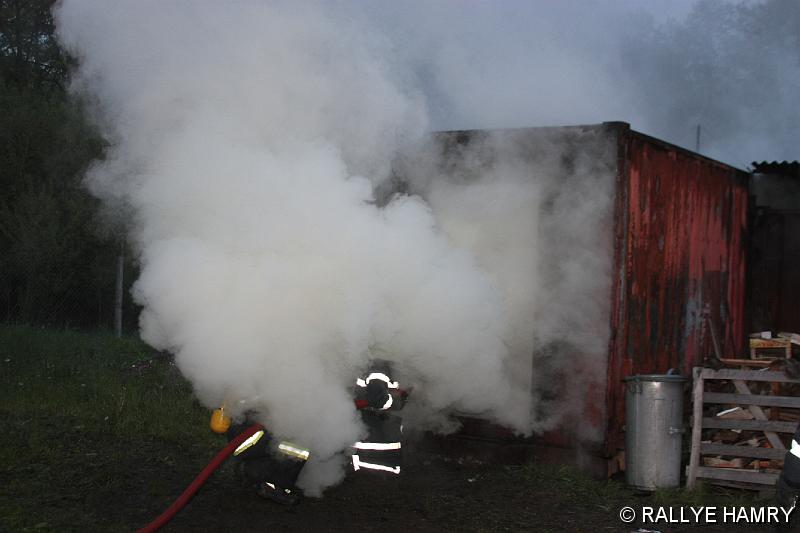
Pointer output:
220, 422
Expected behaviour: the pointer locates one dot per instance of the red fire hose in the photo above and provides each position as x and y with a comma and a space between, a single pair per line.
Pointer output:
215, 463
198, 482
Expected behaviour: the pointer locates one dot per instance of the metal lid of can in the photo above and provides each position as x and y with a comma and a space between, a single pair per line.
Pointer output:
674, 378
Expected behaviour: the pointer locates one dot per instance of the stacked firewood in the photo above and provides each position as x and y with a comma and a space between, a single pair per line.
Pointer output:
745, 437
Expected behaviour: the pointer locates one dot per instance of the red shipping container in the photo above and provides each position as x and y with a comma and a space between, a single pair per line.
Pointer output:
680, 223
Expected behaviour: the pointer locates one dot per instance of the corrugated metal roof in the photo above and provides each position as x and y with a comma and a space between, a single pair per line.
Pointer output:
784, 168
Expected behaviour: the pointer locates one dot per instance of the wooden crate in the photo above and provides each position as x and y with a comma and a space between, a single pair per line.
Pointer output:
770, 348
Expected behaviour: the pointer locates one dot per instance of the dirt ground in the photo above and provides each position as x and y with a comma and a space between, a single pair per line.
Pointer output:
112, 485
435, 493
100, 434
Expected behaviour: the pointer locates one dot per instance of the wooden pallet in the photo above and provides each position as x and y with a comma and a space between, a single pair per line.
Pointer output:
752, 402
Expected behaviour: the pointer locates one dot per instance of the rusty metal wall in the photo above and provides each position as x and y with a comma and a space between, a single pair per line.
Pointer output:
680, 239
680, 251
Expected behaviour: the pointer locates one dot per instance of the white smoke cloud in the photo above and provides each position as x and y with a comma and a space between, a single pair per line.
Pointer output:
245, 139
513, 63
248, 140
535, 208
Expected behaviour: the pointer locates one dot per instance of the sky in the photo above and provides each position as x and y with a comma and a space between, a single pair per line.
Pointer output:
665, 67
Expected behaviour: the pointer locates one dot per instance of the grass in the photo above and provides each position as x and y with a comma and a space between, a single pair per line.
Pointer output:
117, 386
82, 413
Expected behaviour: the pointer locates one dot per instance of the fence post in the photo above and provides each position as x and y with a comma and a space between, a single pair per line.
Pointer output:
697, 426
118, 293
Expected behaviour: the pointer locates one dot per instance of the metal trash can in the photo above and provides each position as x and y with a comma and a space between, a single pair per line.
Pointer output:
653, 430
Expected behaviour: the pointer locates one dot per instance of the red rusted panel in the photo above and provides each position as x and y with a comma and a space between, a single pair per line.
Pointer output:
680, 237
681, 223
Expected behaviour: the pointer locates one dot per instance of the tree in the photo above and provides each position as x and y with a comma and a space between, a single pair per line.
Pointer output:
55, 265
29, 53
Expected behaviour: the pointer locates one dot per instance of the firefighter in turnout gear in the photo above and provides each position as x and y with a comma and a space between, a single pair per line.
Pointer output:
270, 467
788, 489
377, 397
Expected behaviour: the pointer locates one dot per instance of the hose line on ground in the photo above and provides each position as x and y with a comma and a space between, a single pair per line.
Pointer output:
198, 482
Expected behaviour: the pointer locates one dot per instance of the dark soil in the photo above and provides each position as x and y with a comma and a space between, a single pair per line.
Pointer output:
105, 485
100, 435
435, 494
